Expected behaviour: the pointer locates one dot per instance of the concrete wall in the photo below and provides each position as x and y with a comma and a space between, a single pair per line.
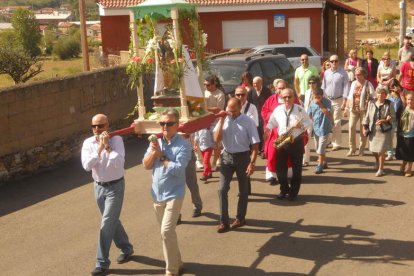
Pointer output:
44, 123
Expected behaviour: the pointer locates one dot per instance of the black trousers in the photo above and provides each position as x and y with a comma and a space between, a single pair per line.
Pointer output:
295, 152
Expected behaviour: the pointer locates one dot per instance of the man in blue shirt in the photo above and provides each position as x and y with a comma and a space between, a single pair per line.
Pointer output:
237, 132
168, 158
335, 84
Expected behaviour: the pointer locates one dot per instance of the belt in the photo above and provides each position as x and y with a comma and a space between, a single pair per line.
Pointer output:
109, 183
237, 153
332, 98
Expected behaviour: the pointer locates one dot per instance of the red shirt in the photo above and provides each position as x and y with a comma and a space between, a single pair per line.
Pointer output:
407, 73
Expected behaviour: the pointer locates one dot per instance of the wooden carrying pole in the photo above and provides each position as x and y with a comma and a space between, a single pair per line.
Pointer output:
84, 38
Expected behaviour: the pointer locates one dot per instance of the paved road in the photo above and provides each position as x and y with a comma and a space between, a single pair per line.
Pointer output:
345, 222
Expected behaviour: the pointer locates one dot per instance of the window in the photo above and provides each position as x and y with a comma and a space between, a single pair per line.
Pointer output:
255, 70
270, 71
298, 51
284, 65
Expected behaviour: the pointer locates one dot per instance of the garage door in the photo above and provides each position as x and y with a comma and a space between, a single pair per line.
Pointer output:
299, 30
244, 33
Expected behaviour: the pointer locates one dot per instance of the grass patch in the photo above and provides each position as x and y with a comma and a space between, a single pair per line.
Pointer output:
53, 68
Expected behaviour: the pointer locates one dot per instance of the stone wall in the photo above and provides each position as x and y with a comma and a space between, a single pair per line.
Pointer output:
44, 123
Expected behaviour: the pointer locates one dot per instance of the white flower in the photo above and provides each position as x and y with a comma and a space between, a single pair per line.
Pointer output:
204, 36
172, 42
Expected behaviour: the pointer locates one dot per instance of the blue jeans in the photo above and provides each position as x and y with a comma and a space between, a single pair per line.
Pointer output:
109, 200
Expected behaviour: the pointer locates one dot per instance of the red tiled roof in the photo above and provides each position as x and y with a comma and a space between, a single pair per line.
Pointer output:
128, 3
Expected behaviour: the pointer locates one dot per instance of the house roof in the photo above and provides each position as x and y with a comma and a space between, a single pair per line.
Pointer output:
333, 3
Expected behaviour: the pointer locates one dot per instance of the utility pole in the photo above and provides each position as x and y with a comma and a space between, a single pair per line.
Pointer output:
403, 21
84, 37
367, 17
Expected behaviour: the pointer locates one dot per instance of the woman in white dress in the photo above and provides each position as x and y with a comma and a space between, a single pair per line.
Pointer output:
377, 126
386, 70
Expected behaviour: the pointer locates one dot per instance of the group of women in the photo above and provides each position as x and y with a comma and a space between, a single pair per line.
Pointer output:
383, 107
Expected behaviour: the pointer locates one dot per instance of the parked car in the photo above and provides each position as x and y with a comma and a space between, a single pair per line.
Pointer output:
269, 67
292, 52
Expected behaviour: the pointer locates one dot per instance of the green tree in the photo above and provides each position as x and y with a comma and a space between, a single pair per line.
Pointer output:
69, 46
18, 63
27, 31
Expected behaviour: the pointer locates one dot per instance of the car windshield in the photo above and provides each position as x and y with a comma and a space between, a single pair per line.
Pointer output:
228, 73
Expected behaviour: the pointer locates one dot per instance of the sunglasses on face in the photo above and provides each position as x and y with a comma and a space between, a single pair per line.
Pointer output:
168, 124
98, 126
240, 95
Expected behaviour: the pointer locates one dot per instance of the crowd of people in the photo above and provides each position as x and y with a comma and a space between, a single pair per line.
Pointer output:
277, 124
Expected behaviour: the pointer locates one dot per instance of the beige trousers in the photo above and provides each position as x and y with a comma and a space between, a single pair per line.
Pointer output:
167, 213
354, 117
337, 117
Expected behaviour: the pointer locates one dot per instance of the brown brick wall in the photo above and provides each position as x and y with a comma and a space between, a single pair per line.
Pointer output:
44, 123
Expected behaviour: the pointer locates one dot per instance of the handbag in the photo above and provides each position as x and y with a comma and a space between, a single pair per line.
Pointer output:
385, 127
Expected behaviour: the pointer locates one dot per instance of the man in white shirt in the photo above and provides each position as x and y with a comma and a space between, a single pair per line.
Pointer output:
247, 108
105, 157
289, 117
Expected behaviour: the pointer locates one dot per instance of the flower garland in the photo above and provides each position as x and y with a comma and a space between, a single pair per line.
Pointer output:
165, 50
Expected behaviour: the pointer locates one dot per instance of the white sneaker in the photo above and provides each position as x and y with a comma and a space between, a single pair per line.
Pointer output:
389, 158
350, 153
380, 173
199, 165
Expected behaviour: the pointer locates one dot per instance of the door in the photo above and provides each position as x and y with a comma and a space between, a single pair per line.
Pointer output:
299, 30
244, 33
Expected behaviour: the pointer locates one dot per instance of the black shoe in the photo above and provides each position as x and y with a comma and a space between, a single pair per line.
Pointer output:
206, 177
99, 271
292, 198
179, 221
282, 196
196, 213
273, 181
123, 258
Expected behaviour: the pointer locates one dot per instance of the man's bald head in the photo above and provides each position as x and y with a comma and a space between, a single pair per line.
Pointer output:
99, 123
234, 107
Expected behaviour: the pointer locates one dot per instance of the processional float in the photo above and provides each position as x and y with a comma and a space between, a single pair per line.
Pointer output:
157, 46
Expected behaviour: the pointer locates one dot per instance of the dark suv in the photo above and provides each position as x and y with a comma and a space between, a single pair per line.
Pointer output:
229, 68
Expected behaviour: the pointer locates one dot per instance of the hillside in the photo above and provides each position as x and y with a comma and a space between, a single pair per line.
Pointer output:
379, 7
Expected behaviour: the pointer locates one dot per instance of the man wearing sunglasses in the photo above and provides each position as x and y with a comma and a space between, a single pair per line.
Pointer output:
335, 84
105, 157
237, 132
289, 118
168, 158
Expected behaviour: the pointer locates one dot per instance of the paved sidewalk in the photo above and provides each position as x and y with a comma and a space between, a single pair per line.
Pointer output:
345, 222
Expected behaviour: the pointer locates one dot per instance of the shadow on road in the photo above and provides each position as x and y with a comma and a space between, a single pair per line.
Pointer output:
196, 269
70, 175
338, 200
320, 244
326, 244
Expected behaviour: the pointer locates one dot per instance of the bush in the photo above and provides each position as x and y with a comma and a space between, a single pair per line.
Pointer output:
67, 47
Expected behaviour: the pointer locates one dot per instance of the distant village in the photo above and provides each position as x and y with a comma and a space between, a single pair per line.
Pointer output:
50, 18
